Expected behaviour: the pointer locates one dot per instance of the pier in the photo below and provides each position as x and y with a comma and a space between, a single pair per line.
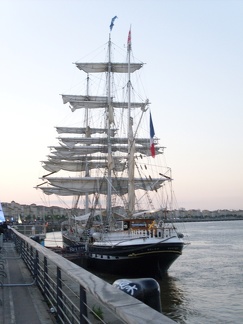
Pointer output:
38, 286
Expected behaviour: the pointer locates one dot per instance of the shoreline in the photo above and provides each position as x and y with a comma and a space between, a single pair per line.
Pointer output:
208, 219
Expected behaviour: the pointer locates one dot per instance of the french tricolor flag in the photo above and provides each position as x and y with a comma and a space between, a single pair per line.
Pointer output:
152, 133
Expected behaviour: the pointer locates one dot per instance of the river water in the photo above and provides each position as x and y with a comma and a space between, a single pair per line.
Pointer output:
205, 284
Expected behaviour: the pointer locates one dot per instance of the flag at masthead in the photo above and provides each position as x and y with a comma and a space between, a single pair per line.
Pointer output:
129, 40
152, 133
112, 22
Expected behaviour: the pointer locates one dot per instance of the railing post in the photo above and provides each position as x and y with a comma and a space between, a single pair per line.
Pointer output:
36, 265
83, 303
21, 252
59, 293
18, 244
45, 277
31, 260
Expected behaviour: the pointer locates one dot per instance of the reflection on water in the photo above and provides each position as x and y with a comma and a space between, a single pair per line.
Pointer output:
172, 297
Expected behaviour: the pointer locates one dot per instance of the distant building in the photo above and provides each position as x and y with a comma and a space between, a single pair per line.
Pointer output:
14, 211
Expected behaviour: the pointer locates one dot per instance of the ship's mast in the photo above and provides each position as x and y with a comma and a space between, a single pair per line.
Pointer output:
131, 141
109, 119
86, 118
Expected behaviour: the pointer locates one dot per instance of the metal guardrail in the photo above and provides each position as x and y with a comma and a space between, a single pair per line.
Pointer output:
28, 230
74, 295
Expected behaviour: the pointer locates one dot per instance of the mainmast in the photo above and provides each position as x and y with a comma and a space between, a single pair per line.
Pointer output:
109, 120
131, 142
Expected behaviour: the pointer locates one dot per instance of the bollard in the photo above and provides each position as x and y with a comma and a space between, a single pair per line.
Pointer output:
146, 290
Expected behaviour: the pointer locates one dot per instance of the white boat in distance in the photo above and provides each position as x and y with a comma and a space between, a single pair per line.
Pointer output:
118, 175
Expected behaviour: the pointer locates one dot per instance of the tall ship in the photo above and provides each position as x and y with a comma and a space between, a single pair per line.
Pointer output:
112, 165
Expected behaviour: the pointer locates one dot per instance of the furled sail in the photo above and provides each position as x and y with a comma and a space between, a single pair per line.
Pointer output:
90, 185
108, 67
79, 166
84, 130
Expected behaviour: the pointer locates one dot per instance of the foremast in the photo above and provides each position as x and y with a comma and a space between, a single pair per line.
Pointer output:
87, 134
131, 140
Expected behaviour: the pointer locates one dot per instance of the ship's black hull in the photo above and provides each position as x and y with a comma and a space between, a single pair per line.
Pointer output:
152, 261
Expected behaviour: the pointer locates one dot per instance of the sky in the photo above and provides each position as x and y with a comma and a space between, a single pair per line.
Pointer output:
193, 51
